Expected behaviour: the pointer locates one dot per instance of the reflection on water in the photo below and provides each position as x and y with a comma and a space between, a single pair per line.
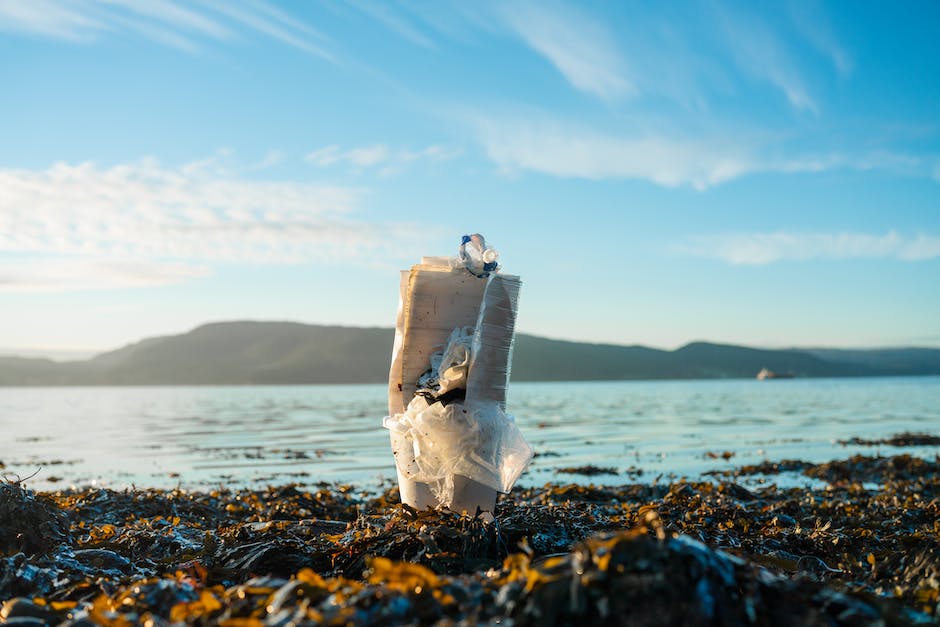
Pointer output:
202, 436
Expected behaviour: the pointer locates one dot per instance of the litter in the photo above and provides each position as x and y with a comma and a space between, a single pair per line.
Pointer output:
454, 444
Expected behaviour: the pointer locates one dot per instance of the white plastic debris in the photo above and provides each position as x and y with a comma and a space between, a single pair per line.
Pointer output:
491, 351
454, 444
477, 441
449, 368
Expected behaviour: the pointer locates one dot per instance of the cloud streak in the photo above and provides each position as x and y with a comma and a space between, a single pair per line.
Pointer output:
82, 226
571, 153
387, 159
183, 26
759, 51
765, 248
546, 146
580, 48
76, 273
384, 13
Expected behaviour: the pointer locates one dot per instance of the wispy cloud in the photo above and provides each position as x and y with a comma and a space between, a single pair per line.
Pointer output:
814, 25
546, 146
765, 248
382, 156
385, 13
266, 19
77, 273
182, 25
576, 153
50, 18
82, 226
761, 52
579, 46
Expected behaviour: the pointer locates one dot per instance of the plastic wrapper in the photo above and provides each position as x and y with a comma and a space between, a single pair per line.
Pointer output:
474, 440
449, 368
491, 351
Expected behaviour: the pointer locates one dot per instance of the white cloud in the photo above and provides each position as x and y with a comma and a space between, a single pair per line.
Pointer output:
575, 153
540, 144
180, 25
269, 20
385, 13
376, 155
815, 27
579, 47
79, 273
174, 15
759, 51
765, 248
81, 226
50, 18
368, 155
328, 155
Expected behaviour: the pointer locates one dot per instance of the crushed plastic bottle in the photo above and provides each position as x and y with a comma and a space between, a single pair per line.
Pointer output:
474, 255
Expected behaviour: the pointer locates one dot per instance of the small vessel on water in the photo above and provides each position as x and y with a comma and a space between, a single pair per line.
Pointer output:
766, 373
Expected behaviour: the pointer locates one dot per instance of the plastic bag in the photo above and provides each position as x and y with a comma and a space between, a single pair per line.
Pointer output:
479, 441
491, 352
449, 368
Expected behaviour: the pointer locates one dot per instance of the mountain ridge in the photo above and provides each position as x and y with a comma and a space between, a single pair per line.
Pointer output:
249, 352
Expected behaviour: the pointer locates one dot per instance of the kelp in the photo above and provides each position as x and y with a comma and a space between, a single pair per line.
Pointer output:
709, 552
900, 439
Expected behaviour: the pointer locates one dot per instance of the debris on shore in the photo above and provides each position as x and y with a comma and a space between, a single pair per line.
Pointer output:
899, 440
685, 553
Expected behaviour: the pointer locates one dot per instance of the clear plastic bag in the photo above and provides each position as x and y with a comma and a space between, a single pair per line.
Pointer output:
479, 441
449, 368
491, 352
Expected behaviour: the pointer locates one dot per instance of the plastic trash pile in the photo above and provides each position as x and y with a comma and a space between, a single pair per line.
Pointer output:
454, 444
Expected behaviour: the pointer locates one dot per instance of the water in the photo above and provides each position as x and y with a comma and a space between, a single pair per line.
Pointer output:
252, 436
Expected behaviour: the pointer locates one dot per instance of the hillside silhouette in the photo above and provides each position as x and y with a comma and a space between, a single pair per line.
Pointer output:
247, 352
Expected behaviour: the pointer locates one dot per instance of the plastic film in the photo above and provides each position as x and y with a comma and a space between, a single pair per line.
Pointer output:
478, 441
491, 351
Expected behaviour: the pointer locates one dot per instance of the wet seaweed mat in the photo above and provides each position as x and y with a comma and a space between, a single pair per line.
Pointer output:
685, 553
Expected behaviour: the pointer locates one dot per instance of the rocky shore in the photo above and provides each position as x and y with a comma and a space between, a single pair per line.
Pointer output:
862, 550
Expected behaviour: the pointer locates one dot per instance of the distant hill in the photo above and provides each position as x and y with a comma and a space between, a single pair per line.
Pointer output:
902, 359
242, 353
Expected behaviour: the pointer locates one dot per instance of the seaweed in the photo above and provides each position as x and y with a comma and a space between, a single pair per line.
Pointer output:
690, 552
29, 524
899, 439
589, 470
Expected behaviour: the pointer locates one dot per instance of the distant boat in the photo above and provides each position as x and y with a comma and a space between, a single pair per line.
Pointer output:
770, 374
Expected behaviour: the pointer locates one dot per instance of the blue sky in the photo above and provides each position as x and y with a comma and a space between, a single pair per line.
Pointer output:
756, 173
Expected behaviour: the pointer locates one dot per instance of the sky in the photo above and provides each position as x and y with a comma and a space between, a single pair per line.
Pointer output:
764, 173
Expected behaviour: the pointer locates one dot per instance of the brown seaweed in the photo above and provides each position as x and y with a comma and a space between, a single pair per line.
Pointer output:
899, 439
685, 553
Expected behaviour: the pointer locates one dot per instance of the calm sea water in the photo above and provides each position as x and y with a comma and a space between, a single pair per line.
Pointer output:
251, 436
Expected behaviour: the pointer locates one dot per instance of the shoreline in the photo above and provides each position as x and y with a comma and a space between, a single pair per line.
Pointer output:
687, 550
366, 383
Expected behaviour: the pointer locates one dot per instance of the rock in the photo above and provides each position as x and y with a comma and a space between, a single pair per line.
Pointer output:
103, 559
